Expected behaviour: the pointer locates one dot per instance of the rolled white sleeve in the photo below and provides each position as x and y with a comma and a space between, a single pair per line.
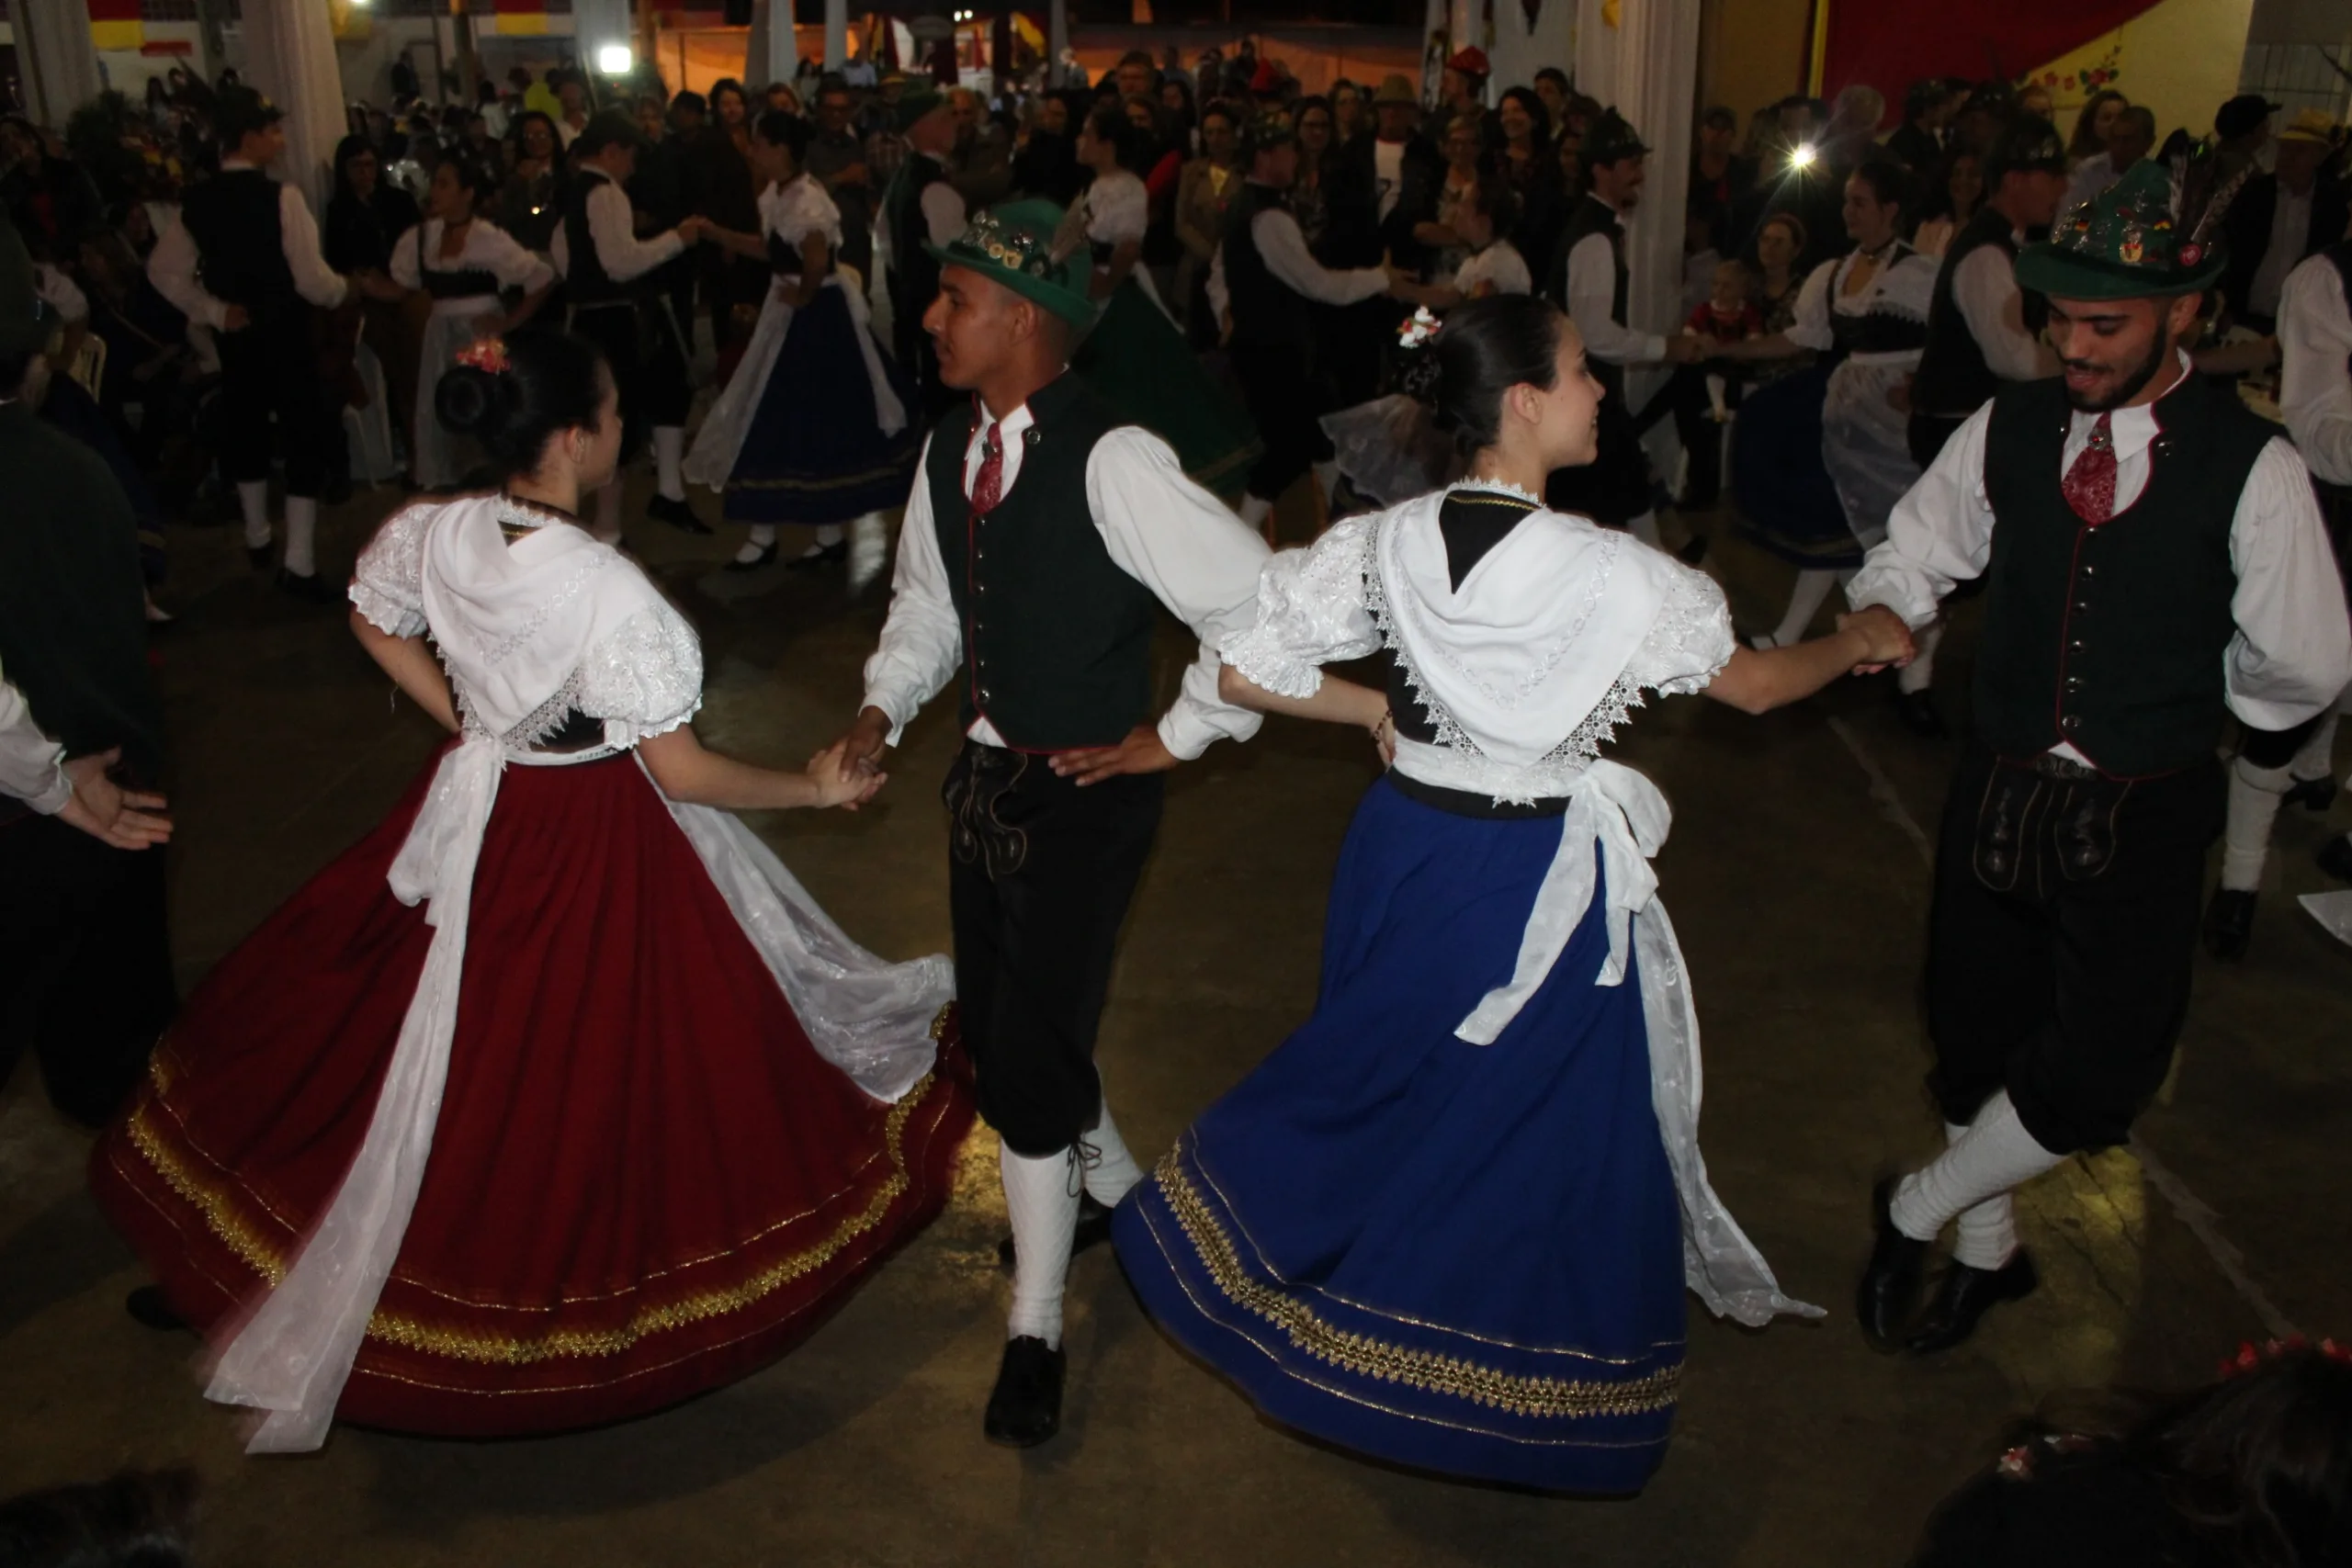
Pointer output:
610, 225
1282, 243
923, 640
1811, 329
2314, 384
1592, 305
1940, 533
503, 255
32, 766
172, 269
944, 215
1984, 287
1197, 559
298, 236
2292, 653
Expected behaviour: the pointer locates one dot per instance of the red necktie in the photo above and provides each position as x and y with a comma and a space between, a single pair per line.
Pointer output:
2089, 486
987, 485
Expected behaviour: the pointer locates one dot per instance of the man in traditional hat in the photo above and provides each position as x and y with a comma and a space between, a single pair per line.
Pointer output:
1588, 278
2282, 218
2315, 396
2072, 855
1462, 92
1403, 168
2241, 127
85, 963
1041, 541
1984, 332
1264, 277
611, 279
244, 260
921, 210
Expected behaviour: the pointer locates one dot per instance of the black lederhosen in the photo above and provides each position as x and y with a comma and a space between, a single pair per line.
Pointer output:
269, 367
648, 362
1278, 387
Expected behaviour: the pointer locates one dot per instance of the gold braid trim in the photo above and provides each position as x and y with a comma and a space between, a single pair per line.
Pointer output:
265, 1258
1367, 1357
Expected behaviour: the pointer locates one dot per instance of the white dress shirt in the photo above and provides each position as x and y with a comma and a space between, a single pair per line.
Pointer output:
2292, 650
1984, 287
173, 267
1499, 265
32, 766
1283, 244
1159, 527
2314, 385
612, 225
1592, 305
1389, 174
2290, 229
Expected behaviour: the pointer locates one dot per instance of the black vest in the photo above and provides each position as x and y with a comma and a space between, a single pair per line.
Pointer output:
467, 283
587, 282
240, 241
1267, 313
1955, 381
2111, 639
1592, 216
914, 275
1057, 638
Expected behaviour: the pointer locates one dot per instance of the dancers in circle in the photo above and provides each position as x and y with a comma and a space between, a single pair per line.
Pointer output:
1449, 1222
556, 1099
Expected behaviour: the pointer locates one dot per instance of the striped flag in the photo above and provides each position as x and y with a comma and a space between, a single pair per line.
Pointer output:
521, 15
114, 24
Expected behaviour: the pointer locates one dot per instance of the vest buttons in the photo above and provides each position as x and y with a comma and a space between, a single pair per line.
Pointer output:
2089, 570
2070, 724
2074, 682
2075, 645
2082, 606
986, 696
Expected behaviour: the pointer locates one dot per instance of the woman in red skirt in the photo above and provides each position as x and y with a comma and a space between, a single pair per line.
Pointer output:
556, 1099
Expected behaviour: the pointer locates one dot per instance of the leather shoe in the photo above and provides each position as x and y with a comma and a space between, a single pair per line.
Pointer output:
679, 514
1919, 714
259, 556
1094, 1230
766, 557
2311, 794
1889, 1293
834, 553
1026, 1407
2335, 857
1965, 1295
149, 1308
2229, 924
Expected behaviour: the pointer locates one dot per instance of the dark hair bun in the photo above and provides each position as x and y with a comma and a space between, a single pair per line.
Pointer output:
552, 381
1485, 349
469, 402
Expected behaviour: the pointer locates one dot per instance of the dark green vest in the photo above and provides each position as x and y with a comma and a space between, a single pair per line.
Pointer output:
1057, 638
2111, 639
1267, 313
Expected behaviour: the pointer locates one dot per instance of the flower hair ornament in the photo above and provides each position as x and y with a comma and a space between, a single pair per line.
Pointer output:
487, 354
1418, 375
1419, 328
2251, 1358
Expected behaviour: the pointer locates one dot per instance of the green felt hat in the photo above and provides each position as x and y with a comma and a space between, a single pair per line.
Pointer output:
1012, 244
919, 100
2130, 241
26, 322
1612, 138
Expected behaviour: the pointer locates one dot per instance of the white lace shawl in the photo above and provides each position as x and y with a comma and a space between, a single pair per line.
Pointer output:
798, 208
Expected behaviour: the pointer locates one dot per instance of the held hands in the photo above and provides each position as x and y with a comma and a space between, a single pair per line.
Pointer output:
236, 319
861, 748
692, 227
123, 819
840, 782
1882, 638
1685, 348
1140, 752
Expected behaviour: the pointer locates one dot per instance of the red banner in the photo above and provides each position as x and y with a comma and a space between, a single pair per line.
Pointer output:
1889, 44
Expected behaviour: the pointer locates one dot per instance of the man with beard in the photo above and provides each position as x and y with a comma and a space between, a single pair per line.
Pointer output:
2072, 855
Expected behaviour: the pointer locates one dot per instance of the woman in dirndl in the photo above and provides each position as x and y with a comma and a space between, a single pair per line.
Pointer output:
465, 263
1449, 1222
816, 427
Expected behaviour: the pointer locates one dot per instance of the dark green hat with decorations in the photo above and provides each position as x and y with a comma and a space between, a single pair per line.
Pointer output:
919, 100
1612, 138
1268, 128
1013, 243
2152, 234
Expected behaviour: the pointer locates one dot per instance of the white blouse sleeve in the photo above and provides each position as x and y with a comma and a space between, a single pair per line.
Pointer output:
1118, 210
405, 270
502, 255
803, 209
645, 678
1909, 287
1811, 329
387, 580
1311, 612
1692, 639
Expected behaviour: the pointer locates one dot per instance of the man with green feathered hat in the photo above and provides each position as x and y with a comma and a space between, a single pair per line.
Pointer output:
2155, 564
1043, 539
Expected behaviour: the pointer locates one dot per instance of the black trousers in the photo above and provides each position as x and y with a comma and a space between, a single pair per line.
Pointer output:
2059, 947
1927, 433
1039, 875
85, 963
1278, 387
268, 369
649, 364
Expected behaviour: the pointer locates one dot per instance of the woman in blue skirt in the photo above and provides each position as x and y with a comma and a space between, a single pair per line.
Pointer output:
1449, 1222
814, 428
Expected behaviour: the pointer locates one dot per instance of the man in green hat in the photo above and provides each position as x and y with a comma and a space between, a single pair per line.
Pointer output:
921, 210
1041, 542
85, 964
2154, 563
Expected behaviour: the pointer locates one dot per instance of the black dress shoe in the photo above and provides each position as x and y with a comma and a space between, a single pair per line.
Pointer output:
2311, 794
1965, 1295
149, 1308
1026, 1407
834, 553
1917, 712
765, 558
311, 590
2334, 857
679, 514
1889, 1293
2229, 924
1094, 1230
260, 555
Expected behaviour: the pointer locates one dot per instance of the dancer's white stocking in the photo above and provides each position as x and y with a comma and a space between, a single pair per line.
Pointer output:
669, 456
1109, 1169
1804, 602
1921, 673
253, 500
1042, 1197
303, 535
2245, 837
762, 539
829, 535
869, 550
1995, 1156
1987, 1233
608, 510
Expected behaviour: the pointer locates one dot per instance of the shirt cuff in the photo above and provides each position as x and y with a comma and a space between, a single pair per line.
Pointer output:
877, 698
1191, 728
53, 799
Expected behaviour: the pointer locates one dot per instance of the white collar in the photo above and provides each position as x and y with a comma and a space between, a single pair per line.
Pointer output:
2133, 429
228, 165
1011, 425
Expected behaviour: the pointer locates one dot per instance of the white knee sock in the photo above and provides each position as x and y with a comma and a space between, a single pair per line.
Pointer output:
869, 550
2315, 759
1042, 1197
2245, 837
1255, 509
668, 454
762, 538
608, 512
1987, 1235
1804, 602
1921, 673
1644, 528
303, 535
1109, 1169
829, 536
1995, 1156
253, 500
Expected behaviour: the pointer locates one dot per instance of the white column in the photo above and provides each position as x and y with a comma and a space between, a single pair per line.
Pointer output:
836, 34
770, 54
60, 65
1057, 40
1658, 69
289, 56
596, 25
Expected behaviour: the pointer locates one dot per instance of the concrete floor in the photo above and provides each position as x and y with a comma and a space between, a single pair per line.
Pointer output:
1797, 878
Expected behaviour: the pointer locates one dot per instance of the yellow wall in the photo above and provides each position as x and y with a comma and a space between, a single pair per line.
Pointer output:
1754, 52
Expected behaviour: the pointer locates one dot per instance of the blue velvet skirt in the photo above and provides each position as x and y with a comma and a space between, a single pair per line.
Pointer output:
1786, 499
1458, 1257
813, 452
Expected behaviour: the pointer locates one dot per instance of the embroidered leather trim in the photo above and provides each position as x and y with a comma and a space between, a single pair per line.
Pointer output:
1563, 1398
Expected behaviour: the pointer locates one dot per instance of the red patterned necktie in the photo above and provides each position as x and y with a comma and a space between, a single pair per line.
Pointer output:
987, 485
2089, 487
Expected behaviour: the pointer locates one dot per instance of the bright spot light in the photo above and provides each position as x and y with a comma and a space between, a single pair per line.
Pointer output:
1801, 156
614, 60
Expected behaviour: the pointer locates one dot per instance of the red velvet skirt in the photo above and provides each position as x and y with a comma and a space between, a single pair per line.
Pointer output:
644, 1180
